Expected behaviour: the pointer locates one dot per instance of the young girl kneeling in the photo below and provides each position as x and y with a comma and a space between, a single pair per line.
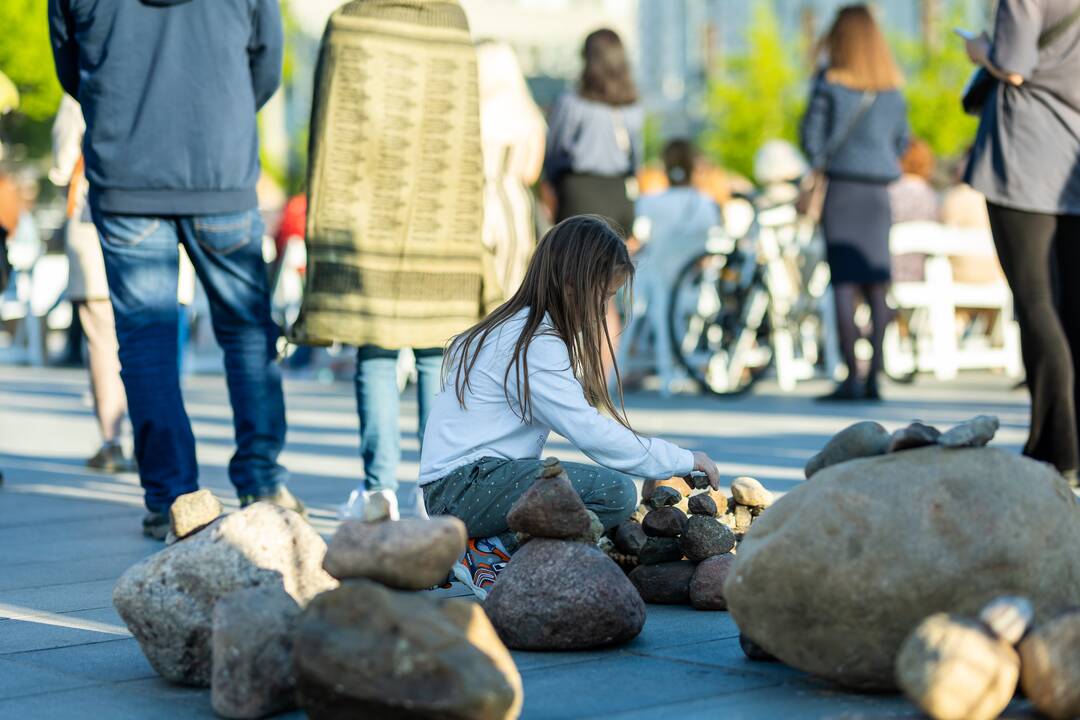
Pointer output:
536, 365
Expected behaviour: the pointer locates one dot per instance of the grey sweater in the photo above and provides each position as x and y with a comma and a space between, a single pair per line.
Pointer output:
871, 152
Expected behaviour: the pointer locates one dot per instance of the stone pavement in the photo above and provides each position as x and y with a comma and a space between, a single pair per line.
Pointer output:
66, 534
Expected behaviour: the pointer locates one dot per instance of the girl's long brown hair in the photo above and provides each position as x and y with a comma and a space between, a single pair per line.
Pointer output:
859, 56
576, 266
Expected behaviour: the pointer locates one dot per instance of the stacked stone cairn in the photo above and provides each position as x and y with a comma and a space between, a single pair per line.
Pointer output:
217, 606
374, 647
561, 591
242, 603
683, 546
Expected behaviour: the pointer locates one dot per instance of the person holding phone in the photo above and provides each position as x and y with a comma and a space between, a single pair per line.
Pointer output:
1026, 161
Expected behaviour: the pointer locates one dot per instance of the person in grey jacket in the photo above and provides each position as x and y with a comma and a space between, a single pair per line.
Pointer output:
855, 130
169, 91
1026, 161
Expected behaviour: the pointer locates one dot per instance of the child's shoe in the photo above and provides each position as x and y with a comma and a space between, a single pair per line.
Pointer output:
370, 506
481, 564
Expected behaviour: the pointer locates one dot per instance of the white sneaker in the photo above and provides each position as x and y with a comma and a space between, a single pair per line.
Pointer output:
370, 506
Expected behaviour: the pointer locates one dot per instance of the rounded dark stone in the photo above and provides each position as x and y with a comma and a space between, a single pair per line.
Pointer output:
630, 538
664, 584
703, 504
660, 550
706, 537
664, 522
664, 496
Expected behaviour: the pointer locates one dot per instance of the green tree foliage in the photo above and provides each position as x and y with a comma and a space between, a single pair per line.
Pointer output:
759, 95
26, 57
936, 74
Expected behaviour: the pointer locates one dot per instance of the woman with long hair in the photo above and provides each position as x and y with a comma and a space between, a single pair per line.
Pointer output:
595, 137
855, 131
1026, 161
512, 133
534, 366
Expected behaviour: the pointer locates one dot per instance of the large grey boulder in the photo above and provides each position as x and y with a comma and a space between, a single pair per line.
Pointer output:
167, 599
252, 653
363, 650
560, 595
837, 573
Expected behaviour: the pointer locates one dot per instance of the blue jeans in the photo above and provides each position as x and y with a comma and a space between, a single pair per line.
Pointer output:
141, 262
378, 403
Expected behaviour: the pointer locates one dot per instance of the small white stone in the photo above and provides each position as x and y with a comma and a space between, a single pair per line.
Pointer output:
751, 493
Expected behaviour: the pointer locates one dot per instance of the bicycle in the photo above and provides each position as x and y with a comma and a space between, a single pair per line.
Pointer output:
753, 300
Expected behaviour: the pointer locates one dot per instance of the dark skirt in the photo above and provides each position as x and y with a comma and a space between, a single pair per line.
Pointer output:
856, 221
597, 195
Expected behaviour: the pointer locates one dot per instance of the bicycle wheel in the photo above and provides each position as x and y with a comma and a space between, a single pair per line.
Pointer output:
719, 323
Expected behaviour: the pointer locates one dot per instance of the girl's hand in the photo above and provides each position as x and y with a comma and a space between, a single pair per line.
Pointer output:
703, 463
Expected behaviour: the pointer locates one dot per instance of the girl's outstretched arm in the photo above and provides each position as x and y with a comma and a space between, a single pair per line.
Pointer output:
559, 402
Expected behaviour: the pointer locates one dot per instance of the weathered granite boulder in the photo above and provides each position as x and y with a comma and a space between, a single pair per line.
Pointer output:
707, 585
863, 439
363, 650
953, 669
550, 508
408, 554
252, 653
1050, 666
664, 584
192, 512
558, 595
873, 546
167, 599
753, 651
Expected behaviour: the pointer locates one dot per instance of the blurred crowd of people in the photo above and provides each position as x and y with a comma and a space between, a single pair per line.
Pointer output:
156, 152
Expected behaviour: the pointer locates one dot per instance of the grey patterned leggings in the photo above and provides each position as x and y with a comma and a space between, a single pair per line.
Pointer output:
482, 493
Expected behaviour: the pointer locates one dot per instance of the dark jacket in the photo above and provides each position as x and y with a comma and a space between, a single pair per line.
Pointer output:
871, 151
169, 89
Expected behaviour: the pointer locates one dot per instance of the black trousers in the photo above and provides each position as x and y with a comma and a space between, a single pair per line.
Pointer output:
1040, 255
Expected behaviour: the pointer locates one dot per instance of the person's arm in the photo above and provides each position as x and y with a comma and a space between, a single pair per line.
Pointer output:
558, 401
1014, 53
265, 50
815, 127
903, 133
559, 138
65, 50
636, 128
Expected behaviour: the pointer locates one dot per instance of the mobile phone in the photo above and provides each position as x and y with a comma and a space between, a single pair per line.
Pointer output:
966, 34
